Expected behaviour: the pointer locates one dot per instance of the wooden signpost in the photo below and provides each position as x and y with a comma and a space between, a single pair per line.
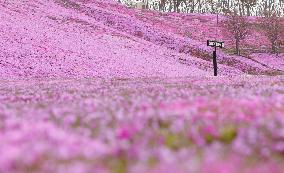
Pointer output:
215, 44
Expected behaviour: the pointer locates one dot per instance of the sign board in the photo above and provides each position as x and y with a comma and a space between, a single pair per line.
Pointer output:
215, 44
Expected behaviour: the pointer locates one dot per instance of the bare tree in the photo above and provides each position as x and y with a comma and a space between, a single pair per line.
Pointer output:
162, 5
243, 7
247, 6
273, 26
237, 27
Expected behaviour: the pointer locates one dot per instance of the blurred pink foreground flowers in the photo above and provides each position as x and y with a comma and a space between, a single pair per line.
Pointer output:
137, 126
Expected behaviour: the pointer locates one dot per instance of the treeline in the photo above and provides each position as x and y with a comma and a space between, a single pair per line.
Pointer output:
242, 7
238, 28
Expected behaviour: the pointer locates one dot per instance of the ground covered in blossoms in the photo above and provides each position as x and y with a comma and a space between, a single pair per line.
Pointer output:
158, 125
102, 38
90, 86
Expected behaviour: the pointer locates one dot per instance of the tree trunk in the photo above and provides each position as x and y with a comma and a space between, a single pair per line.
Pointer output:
178, 4
248, 10
238, 47
175, 6
274, 48
171, 6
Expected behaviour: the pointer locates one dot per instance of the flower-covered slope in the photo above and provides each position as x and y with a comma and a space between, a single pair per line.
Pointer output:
196, 124
65, 38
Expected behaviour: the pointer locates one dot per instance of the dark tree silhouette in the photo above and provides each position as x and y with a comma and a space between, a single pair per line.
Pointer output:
237, 27
273, 26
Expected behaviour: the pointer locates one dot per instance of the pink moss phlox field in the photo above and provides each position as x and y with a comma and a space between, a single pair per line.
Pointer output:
75, 39
92, 86
151, 125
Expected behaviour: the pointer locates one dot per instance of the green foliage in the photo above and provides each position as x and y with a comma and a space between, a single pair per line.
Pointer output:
118, 165
172, 141
209, 138
228, 134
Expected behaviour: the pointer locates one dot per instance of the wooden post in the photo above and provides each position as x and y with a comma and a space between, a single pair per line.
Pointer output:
215, 62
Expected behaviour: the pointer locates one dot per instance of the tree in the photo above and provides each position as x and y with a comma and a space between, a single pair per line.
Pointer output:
273, 26
243, 7
237, 27
162, 5
248, 5
177, 4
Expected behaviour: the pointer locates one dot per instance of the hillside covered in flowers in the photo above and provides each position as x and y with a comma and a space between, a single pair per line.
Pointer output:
64, 38
93, 86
